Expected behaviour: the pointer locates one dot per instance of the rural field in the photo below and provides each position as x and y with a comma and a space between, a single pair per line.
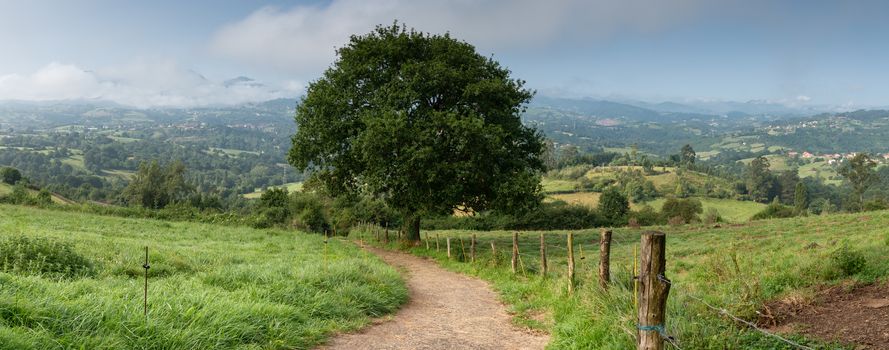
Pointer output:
74, 280
495, 175
738, 267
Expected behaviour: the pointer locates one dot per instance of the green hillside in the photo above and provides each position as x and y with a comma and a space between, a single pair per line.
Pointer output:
729, 209
6, 189
71, 280
739, 268
563, 185
291, 187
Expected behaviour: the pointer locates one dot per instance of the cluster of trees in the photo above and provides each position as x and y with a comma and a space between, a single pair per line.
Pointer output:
52, 160
864, 188
21, 191
10, 175
314, 211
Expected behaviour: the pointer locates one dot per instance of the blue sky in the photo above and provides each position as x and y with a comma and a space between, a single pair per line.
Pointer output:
150, 53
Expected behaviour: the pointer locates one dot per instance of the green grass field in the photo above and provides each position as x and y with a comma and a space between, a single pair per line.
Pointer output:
291, 187
820, 170
210, 287
777, 162
554, 185
731, 210
121, 174
738, 267
230, 151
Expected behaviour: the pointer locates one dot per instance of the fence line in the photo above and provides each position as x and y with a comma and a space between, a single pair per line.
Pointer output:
546, 245
725, 312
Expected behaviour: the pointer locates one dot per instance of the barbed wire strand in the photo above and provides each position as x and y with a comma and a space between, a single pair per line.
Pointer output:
736, 318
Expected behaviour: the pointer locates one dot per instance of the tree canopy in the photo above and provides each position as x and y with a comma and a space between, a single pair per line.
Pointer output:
687, 156
154, 185
760, 181
10, 175
423, 122
859, 172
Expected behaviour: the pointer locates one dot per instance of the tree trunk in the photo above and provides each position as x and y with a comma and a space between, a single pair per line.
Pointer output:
412, 229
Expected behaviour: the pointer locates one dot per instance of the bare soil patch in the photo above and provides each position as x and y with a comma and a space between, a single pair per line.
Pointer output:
857, 317
446, 310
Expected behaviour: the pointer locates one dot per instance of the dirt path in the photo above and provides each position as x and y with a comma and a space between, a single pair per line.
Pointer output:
446, 311
859, 316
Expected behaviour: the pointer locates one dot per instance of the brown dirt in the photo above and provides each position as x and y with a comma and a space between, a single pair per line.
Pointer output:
446, 310
859, 316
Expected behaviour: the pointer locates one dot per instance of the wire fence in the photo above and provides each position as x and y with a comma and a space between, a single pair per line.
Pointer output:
726, 313
584, 243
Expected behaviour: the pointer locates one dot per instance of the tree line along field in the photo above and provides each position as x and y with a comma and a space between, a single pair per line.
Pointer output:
729, 209
736, 267
75, 280
665, 181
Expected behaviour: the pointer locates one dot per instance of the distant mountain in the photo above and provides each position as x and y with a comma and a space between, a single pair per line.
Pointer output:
598, 108
242, 81
670, 107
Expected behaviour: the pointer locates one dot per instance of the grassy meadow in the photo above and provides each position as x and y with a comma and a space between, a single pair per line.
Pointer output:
291, 187
737, 267
73, 280
731, 210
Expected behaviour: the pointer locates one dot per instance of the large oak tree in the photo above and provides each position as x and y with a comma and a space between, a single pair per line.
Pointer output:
423, 122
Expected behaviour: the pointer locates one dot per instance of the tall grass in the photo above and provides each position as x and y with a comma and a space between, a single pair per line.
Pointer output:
737, 268
210, 287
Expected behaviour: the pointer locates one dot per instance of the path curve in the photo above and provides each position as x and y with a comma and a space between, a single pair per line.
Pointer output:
446, 310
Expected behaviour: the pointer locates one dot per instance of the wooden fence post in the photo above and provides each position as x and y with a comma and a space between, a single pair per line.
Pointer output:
653, 291
462, 250
472, 248
604, 258
386, 239
448, 241
494, 253
570, 262
427, 240
542, 255
437, 249
515, 251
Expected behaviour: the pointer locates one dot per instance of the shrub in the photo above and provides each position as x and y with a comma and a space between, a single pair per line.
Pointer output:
775, 210
712, 216
20, 195
646, 216
848, 260
550, 216
614, 206
821, 206
43, 197
44, 257
676, 221
556, 216
269, 217
10, 175
633, 223
686, 209
313, 219
274, 197
876, 204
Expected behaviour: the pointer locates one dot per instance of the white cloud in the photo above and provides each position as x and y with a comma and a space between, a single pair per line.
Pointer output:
302, 39
140, 84
803, 98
